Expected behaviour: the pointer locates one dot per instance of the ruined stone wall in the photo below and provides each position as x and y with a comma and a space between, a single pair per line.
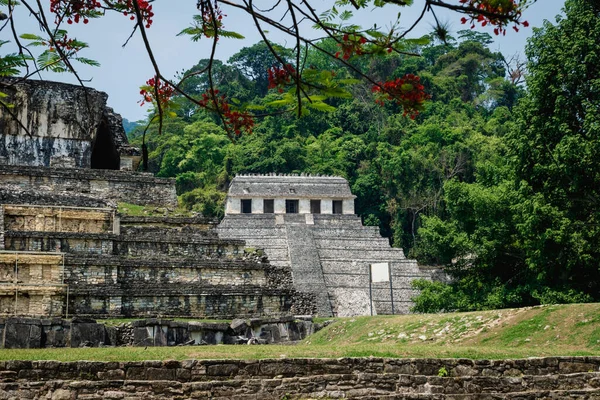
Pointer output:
65, 242
134, 266
109, 187
526, 379
29, 333
31, 284
52, 124
29, 218
216, 288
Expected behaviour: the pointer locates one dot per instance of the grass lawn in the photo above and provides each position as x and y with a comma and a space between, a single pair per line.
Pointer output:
555, 330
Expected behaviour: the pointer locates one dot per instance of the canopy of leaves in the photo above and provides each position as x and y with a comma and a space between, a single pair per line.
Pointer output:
503, 195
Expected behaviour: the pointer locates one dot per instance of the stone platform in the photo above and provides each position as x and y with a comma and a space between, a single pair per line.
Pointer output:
83, 187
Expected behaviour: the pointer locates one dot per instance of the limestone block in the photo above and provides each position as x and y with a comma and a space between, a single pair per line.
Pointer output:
304, 206
279, 206
82, 332
326, 206
257, 205
348, 206
56, 335
22, 333
352, 302
233, 206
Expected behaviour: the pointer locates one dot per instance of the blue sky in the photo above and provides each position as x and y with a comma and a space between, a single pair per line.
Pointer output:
124, 70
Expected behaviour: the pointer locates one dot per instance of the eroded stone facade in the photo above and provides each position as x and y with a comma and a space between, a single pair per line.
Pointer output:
53, 124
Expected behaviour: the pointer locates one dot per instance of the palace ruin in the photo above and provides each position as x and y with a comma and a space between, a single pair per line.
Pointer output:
288, 245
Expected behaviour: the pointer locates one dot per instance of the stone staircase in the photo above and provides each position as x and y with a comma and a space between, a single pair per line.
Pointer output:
306, 267
334, 254
353, 378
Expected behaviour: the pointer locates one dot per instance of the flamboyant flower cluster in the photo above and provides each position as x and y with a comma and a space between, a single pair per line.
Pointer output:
407, 92
498, 13
235, 121
81, 10
145, 10
280, 76
156, 90
67, 44
351, 44
74, 10
212, 17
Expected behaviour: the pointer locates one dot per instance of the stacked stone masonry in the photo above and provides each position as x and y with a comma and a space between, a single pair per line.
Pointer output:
53, 124
332, 256
83, 187
91, 262
358, 378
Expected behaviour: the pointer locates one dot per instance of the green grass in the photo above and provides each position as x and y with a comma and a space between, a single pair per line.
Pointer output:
557, 330
135, 210
118, 321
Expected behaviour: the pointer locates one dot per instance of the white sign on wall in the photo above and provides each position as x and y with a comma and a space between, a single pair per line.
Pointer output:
380, 272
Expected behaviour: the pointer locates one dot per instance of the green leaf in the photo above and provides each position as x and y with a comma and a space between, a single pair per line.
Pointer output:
30, 36
231, 35
321, 106
88, 61
375, 34
346, 15
193, 31
279, 103
49, 60
422, 41
255, 107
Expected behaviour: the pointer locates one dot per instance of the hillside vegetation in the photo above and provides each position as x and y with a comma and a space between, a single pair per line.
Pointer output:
496, 180
553, 330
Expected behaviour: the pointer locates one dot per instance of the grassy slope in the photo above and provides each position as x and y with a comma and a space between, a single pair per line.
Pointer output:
516, 333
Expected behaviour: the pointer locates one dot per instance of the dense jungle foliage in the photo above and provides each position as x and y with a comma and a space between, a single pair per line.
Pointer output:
495, 180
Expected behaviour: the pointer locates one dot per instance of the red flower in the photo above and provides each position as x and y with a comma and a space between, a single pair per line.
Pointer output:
407, 92
280, 76
498, 13
156, 90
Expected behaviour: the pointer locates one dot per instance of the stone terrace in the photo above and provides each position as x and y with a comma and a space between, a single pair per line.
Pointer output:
95, 263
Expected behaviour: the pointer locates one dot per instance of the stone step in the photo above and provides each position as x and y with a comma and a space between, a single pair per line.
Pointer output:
389, 253
242, 263
306, 267
206, 248
344, 243
257, 231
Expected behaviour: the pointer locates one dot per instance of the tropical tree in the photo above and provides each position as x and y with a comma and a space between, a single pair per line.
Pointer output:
527, 231
303, 86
